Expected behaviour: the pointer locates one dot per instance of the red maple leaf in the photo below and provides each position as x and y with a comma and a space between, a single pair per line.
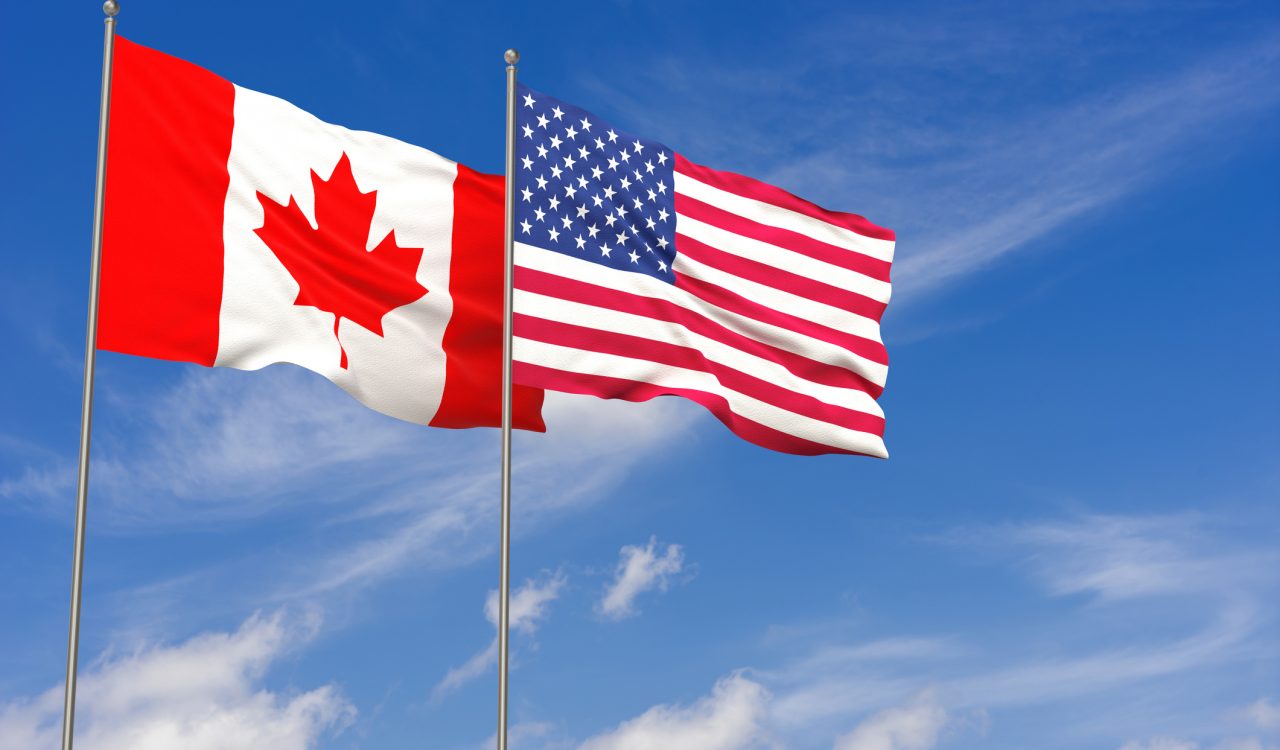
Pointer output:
333, 270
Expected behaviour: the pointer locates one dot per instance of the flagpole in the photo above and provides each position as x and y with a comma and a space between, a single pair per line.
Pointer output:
110, 8
504, 579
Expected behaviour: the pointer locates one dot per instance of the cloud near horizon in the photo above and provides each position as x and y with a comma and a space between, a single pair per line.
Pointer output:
207, 693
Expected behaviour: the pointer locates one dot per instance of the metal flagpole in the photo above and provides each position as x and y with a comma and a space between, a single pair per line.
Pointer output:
110, 8
504, 579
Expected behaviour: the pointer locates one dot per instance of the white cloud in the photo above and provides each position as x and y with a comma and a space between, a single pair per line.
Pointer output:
1159, 743
730, 718
204, 694
639, 569
1263, 713
530, 605
1125, 557
915, 726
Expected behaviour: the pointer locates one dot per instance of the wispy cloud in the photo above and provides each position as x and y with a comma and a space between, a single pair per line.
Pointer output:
206, 693
639, 569
730, 718
530, 605
1193, 597
915, 726
368, 497
919, 129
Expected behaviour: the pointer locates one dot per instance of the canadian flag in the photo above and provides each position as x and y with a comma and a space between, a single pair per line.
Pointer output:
241, 231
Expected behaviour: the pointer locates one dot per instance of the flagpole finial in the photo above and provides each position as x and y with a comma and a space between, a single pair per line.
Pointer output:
511, 56
111, 8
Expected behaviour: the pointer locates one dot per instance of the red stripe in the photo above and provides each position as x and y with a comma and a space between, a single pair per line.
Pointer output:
736, 303
785, 238
786, 281
473, 337
630, 390
551, 285
756, 190
664, 353
170, 137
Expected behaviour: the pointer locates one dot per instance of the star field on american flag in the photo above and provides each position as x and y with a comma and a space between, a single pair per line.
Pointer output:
591, 191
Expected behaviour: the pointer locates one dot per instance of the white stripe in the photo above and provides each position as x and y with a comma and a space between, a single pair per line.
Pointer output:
559, 264
783, 218
665, 376
576, 313
785, 302
781, 258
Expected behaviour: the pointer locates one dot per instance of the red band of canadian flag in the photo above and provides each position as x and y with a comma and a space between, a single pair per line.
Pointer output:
241, 231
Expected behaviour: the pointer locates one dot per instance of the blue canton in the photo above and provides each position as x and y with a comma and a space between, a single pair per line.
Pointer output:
586, 189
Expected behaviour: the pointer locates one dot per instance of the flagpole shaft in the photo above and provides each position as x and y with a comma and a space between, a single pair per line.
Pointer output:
504, 579
110, 8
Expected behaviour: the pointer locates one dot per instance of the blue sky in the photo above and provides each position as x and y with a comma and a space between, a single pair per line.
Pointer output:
1072, 546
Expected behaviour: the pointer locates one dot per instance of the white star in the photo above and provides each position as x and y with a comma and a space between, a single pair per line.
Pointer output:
539, 214
527, 194
621, 208
528, 131
662, 266
662, 214
528, 101
599, 145
591, 231
626, 183
556, 171
609, 219
662, 187
566, 221
555, 142
650, 223
554, 203
613, 164
571, 133
596, 171
662, 242
582, 212
586, 126
625, 156
542, 182
635, 257
569, 161
554, 234
637, 204
542, 151
639, 177
609, 192
612, 135
648, 167
634, 231
527, 162
662, 158
581, 242
604, 250
652, 195
570, 191
557, 112
582, 182
596, 200
622, 237
542, 121
639, 147
526, 226
582, 152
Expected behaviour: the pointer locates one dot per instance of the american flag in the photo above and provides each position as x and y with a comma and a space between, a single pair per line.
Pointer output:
641, 274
